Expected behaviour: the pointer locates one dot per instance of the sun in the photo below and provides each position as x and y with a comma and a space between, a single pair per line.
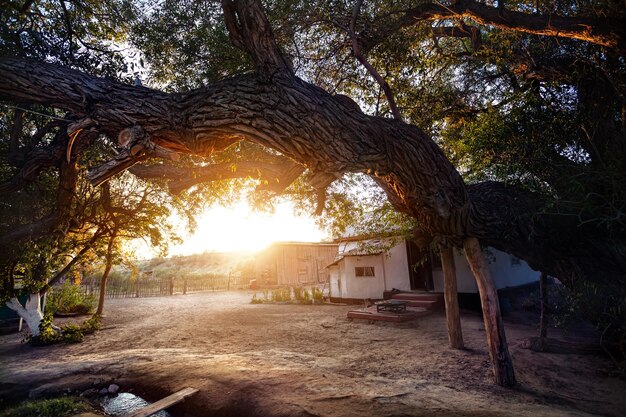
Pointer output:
240, 228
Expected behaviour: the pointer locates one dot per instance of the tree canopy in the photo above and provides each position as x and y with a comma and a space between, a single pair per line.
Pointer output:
502, 122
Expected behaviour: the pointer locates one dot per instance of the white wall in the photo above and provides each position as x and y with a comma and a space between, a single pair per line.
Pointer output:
397, 268
333, 274
363, 287
504, 271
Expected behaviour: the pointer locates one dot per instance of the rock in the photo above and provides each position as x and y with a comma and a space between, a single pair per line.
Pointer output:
103, 391
37, 392
113, 389
89, 392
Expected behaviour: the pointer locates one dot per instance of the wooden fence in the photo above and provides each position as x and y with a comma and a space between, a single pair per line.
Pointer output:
162, 287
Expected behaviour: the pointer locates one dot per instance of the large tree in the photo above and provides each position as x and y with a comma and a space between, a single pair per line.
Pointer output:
302, 126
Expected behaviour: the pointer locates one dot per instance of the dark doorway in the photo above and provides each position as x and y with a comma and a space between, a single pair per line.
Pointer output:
420, 268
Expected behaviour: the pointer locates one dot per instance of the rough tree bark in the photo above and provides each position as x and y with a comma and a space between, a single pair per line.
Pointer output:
455, 331
105, 275
302, 122
496, 340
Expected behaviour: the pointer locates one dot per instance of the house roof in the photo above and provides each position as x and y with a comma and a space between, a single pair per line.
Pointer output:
356, 252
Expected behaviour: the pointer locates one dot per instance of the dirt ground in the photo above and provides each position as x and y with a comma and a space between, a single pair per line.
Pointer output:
284, 360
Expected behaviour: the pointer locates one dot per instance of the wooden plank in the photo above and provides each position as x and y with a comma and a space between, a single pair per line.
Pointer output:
164, 403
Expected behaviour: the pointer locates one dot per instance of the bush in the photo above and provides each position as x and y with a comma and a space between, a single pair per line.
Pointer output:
69, 333
318, 295
281, 294
55, 407
256, 300
604, 306
69, 299
301, 295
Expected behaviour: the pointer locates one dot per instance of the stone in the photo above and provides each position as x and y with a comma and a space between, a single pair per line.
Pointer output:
104, 391
37, 392
113, 389
89, 392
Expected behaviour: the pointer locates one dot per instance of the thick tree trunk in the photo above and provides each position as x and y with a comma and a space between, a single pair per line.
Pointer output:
455, 332
320, 132
496, 339
105, 276
30, 311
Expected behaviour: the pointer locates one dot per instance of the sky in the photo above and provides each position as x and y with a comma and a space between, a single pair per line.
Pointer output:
239, 228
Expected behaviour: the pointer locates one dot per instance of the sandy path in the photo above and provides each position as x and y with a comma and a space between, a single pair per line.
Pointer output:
306, 360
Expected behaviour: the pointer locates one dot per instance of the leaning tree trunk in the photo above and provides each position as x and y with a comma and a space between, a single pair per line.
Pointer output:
105, 276
496, 339
30, 312
455, 332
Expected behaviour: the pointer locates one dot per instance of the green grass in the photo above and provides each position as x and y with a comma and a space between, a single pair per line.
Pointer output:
54, 407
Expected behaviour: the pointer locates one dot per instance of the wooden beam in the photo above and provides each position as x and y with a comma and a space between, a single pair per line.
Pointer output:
164, 403
455, 332
496, 339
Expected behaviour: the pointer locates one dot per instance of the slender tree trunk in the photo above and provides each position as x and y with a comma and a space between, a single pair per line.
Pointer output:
455, 332
30, 311
501, 362
543, 320
105, 276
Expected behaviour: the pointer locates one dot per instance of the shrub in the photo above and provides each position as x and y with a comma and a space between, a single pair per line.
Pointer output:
69, 299
281, 294
318, 295
69, 333
54, 407
301, 295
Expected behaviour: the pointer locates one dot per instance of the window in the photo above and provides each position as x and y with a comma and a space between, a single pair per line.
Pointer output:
364, 271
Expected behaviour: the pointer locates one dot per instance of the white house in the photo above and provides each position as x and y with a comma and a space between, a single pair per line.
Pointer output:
365, 269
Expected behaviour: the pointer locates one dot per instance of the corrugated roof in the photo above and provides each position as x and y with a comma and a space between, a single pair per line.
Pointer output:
355, 252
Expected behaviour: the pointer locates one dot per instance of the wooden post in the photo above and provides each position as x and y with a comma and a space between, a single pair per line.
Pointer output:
185, 286
501, 362
455, 332
543, 320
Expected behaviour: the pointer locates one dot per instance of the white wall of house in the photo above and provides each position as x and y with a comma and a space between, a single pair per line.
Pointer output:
396, 264
392, 271
364, 287
506, 270
335, 284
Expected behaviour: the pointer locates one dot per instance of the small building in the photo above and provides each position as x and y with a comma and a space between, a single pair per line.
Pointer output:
366, 269
294, 263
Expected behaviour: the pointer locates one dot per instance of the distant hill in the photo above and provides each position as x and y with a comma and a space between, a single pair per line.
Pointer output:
240, 264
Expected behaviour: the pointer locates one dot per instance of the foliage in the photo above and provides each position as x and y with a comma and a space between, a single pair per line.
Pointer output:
602, 305
301, 295
52, 407
68, 333
317, 294
256, 300
281, 295
69, 298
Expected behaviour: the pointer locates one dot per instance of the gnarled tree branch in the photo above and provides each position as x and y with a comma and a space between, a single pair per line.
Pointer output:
607, 32
277, 176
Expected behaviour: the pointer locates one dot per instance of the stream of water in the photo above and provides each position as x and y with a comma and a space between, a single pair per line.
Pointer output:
126, 402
